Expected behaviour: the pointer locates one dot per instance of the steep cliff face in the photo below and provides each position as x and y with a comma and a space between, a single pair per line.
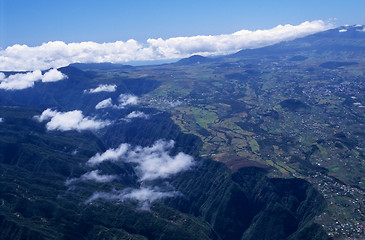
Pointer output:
36, 202
146, 132
213, 204
13, 230
243, 205
249, 205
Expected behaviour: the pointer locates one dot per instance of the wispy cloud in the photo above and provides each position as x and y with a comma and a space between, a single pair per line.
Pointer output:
124, 100
26, 80
145, 195
72, 120
57, 54
93, 176
153, 162
102, 88
137, 114
150, 163
112, 154
106, 103
127, 99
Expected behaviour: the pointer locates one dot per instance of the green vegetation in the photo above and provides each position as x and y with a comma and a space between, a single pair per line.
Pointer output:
281, 123
36, 203
255, 147
203, 117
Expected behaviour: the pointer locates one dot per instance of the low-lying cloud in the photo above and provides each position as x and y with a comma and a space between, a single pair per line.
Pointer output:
21, 81
106, 103
153, 162
94, 176
137, 114
102, 88
57, 54
72, 120
150, 163
144, 195
124, 100
53, 75
127, 99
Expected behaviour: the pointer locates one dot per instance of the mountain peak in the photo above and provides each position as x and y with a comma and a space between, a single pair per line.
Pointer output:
195, 59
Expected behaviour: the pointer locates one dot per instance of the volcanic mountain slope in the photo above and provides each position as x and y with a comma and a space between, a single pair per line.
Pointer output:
37, 202
343, 43
268, 144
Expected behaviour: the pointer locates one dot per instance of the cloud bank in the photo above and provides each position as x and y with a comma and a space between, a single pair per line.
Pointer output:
72, 120
102, 88
57, 54
21, 81
124, 100
153, 162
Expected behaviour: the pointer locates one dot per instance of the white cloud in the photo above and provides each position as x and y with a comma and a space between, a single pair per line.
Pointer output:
97, 177
124, 100
93, 176
102, 88
20, 81
72, 120
53, 75
107, 103
57, 54
137, 114
153, 162
127, 99
46, 115
110, 155
145, 195
342, 30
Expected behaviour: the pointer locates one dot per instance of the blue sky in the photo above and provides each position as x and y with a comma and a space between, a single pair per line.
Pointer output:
33, 22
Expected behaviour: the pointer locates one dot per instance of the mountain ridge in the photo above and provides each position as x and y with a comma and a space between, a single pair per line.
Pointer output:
292, 110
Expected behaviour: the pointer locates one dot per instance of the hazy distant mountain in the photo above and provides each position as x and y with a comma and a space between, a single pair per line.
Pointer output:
196, 59
99, 66
335, 41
